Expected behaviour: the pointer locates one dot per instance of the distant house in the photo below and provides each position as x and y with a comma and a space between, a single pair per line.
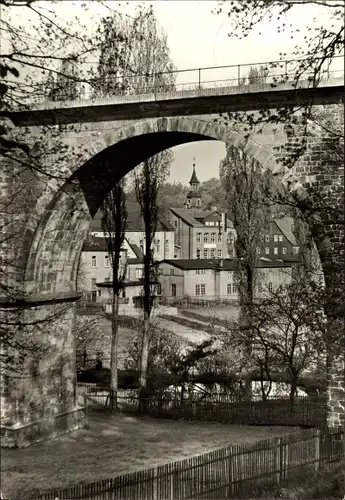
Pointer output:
279, 242
131, 294
95, 265
215, 279
164, 237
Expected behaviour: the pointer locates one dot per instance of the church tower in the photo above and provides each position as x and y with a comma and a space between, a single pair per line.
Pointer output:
194, 195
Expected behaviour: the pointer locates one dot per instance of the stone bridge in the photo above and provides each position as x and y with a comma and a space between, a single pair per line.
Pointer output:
79, 151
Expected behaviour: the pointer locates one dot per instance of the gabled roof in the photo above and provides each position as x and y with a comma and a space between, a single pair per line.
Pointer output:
136, 250
285, 225
187, 216
98, 244
195, 218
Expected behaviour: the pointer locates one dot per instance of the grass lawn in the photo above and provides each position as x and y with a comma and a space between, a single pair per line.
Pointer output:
113, 445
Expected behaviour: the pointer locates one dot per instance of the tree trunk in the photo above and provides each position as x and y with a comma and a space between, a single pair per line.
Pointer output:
114, 352
293, 387
143, 393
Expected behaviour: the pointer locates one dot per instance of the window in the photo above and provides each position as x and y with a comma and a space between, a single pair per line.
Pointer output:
198, 253
228, 288
200, 271
106, 261
106, 280
281, 237
141, 244
158, 290
206, 237
205, 253
258, 250
219, 254
173, 290
200, 289
275, 251
295, 250
220, 237
93, 261
197, 271
167, 245
172, 272
213, 253
284, 250
94, 296
213, 237
175, 223
93, 282
99, 293
158, 245
234, 288
267, 237
275, 237
138, 272
270, 287
231, 237
260, 287
267, 250
198, 237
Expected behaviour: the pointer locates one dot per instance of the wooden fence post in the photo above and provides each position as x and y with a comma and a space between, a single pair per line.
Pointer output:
230, 489
317, 450
155, 483
278, 459
172, 476
86, 408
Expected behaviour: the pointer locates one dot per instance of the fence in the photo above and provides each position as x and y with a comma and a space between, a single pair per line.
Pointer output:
302, 412
233, 75
223, 473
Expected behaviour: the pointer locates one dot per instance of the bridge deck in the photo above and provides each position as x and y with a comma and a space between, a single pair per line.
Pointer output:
180, 103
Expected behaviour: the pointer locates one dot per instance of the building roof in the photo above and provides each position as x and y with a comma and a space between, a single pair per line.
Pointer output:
136, 250
94, 244
193, 194
134, 220
285, 224
186, 215
99, 244
224, 264
195, 218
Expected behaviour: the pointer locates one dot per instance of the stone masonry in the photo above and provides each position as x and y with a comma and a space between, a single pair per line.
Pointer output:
84, 162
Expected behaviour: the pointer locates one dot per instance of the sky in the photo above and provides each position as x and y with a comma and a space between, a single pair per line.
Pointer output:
198, 38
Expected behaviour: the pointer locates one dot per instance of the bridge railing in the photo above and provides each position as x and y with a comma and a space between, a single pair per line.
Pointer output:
198, 79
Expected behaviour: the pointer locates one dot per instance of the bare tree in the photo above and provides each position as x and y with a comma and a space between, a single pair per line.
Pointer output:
288, 328
148, 178
114, 221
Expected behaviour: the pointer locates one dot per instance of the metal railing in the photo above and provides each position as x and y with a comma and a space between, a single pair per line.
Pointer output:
198, 79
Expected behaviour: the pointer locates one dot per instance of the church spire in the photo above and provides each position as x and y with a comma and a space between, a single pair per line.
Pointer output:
194, 196
194, 180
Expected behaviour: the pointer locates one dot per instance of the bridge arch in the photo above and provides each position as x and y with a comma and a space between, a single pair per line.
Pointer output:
106, 157
64, 216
